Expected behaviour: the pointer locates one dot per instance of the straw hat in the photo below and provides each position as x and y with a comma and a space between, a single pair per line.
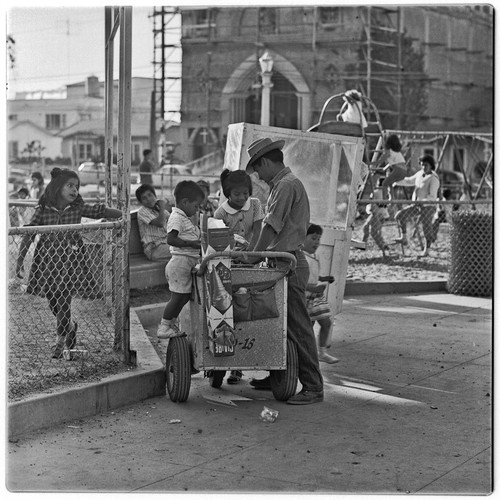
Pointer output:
259, 148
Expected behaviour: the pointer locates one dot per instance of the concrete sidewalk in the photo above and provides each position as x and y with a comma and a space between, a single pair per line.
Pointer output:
407, 410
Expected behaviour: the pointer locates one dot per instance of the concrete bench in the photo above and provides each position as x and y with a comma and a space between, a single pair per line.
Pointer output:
144, 273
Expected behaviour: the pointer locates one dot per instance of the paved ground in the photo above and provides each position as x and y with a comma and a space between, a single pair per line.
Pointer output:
407, 410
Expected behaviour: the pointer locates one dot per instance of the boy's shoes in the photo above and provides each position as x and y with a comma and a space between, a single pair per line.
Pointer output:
262, 384
235, 377
306, 398
71, 337
402, 240
325, 357
168, 329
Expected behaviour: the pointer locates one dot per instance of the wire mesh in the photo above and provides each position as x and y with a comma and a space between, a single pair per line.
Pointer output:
62, 305
471, 269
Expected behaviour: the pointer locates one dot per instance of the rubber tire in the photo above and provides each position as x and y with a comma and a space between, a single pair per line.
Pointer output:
178, 368
216, 378
284, 382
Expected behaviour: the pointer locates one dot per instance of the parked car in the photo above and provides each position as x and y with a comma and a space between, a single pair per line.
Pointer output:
90, 172
17, 179
170, 175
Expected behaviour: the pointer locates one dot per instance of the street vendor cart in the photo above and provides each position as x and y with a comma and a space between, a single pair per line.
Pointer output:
256, 340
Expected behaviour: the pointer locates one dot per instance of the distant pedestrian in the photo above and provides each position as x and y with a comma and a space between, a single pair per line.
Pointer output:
146, 168
57, 266
37, 185
184, 239
317, 305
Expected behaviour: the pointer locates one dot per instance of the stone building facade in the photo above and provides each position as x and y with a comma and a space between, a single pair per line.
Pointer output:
429, 68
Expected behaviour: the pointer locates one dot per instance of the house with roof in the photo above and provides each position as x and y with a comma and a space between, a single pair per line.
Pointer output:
70, 125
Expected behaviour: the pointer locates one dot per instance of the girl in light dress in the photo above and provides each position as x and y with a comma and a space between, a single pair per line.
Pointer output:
243, 215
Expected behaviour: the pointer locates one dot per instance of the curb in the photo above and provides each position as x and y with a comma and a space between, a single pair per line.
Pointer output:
148, 378
390, 287
144, 381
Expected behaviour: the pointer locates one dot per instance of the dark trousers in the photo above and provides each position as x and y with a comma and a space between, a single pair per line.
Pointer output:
300, 328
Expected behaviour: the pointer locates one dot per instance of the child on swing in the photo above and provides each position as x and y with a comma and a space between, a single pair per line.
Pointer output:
57, 265
243, 215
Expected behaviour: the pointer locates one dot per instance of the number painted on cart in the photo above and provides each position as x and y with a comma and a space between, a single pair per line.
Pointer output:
248, 344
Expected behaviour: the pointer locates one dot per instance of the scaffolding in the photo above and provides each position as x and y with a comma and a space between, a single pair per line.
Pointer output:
162, 55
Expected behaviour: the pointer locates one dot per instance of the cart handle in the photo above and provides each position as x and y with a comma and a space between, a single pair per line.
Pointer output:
236, 254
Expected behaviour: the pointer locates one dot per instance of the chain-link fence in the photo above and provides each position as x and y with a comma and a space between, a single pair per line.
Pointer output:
471, 269
66, 305
405, 240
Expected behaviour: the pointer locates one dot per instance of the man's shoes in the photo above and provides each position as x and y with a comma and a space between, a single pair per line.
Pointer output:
262, 384
306, 398
235, 377
402, 240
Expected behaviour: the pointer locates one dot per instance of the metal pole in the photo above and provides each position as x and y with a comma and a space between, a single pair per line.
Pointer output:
400, 63
108, 99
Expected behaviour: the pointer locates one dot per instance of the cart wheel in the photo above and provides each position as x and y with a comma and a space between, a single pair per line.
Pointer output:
178, 365
284, 382
216, 377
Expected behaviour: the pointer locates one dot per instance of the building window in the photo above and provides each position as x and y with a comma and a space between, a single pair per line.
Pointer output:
330, 16
199, 25
13, 149
267, 20
85, 151
55, 122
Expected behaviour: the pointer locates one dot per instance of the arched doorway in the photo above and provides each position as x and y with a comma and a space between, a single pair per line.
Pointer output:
284, 104
290, 95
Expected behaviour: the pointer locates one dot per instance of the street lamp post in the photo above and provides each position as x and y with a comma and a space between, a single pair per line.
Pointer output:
266, 66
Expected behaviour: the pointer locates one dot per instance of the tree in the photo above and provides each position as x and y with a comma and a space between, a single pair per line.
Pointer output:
11, 50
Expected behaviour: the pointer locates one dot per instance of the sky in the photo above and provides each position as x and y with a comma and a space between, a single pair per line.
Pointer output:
55, 46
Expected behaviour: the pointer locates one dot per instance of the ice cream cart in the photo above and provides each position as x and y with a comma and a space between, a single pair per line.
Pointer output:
329, 167
237, 320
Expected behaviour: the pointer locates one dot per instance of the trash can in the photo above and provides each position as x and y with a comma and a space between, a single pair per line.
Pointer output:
471, 268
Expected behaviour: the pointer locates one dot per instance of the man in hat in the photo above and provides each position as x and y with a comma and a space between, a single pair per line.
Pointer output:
284, 229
